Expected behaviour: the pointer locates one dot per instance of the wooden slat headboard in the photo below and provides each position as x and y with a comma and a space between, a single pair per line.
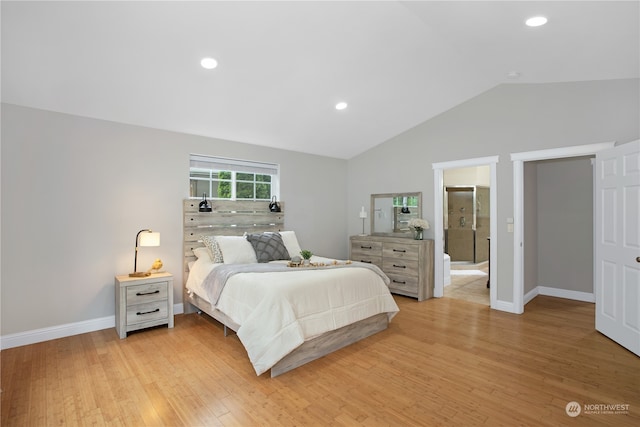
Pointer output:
227, 218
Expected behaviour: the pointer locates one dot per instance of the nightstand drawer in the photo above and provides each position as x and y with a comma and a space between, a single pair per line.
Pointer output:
147, 312
146, 293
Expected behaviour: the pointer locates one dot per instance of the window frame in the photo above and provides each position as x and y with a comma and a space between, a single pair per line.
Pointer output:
215, 165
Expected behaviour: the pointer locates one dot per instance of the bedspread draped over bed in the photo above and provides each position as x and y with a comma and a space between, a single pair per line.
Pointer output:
278, 311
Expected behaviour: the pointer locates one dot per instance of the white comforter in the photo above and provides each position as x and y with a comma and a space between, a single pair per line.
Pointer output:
279, 311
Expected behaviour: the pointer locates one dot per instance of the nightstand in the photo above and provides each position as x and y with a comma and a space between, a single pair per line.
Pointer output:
142, 302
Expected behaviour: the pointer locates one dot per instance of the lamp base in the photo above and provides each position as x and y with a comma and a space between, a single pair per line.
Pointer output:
139, 274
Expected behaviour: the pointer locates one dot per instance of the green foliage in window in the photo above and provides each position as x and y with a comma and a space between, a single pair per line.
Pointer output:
263, 191
244, 190
220, 184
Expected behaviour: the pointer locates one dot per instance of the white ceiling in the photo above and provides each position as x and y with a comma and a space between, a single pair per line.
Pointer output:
284, 65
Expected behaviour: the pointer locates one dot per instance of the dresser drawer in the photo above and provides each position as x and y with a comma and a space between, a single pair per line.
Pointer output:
149, 292
405, 285
362, 248
376, 260
400, 250
147, 312
407, 262
404, 267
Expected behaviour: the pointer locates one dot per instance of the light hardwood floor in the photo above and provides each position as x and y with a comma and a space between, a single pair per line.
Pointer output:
441, 362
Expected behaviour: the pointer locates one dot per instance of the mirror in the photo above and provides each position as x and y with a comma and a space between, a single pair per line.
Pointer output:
390, 213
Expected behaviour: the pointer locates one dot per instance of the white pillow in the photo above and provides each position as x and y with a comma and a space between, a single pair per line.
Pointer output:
201, 252
236, 250
291, 243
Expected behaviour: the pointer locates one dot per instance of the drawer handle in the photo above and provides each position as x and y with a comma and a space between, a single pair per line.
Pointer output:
139, 294
141, 313
399, 250
367, 262
366, 247
402, 282
399, 266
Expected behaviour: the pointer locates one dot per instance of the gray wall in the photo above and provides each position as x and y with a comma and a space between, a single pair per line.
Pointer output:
508, 119
75, 191
558, 224
565, 224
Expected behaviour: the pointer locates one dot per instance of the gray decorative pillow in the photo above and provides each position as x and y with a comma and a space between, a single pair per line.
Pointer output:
214, 249
268, 246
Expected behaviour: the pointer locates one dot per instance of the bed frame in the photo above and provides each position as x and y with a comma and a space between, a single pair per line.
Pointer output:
234, 218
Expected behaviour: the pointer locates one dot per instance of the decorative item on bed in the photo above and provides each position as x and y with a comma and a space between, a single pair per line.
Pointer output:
240, 274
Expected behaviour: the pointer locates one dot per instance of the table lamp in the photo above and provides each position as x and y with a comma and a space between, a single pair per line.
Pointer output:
363, 216
144, 237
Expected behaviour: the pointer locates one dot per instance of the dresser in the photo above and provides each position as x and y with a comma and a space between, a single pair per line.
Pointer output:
142, 302
407, 262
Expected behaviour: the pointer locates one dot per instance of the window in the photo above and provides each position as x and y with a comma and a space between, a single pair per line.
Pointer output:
406, 202
230, 179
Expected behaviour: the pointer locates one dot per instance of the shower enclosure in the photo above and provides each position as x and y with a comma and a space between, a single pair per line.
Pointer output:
466, 223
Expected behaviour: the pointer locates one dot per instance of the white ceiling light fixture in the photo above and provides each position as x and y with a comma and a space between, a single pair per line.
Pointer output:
536, 21
341, 105
209, 63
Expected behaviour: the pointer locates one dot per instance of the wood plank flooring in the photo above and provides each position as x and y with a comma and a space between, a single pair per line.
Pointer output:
441, 362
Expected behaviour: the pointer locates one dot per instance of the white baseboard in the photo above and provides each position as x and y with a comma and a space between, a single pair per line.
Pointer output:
507, 306
564, 293
55, 332
559, 293
530, 295
66, 330
178, 308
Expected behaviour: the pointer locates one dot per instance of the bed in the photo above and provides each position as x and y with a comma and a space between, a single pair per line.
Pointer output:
284, 316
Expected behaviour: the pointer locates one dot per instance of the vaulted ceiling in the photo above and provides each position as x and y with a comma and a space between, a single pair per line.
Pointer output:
283, 66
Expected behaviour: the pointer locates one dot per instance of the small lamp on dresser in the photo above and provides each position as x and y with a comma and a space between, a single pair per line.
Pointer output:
363, 216
145, 237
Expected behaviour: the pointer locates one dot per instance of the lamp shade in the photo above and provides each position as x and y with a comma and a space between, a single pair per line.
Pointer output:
149, 238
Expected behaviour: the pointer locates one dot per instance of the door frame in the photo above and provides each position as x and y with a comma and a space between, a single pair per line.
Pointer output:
518, 160
438, 223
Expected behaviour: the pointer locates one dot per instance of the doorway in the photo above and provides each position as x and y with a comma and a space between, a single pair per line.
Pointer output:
441, 264
519, 242
466, 233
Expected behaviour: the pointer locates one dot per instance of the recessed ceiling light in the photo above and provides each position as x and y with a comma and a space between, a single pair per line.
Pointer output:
536, 21
341, 105
209, 63
513, 75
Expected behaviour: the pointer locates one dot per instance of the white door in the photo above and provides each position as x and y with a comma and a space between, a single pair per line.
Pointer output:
617, 244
